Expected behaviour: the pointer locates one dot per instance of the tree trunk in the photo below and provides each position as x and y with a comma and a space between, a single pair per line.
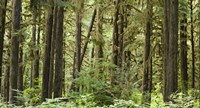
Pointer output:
99, 39
79, 6
116, 33
6, 82
37, 53
52, 60
146, 95
115, 40
59, 54
183, 50
34, 17
3, 4
46, 62
192, 44
14, 50
170, 47
20, 71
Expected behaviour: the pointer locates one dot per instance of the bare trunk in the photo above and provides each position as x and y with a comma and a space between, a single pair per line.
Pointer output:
59, 54
52, 60
147, 73
46, 62
192, 44
14, 50
170, 47
3, 4
183, 52
115, 40
20, 74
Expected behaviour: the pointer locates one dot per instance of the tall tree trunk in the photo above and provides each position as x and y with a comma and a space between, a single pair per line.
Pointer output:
170, 47
192, 44
146, 95
6, 82
37, 53
199, 47
116, 33
79, 6
99, 32
14, 50
115, 39
34, 17
3, 4
59, 54
46, 62
183, 50
20, 71
52, 60
121, 33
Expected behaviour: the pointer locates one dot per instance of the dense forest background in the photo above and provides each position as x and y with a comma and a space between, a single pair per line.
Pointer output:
100, 53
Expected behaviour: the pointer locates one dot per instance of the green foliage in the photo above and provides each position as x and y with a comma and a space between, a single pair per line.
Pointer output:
30, 96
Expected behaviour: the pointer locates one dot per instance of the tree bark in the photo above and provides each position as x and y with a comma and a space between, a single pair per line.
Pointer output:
52, 60
20, 71
46, 62
14, 50
170, 47
115, 33
3, 4
115, 40
192, 44
79, 6
37, 53
147, 82
34, 17
183, 50
59, 54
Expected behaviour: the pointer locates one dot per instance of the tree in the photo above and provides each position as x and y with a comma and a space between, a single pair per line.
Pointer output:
52, 60
99, 32
115, 33
3, 4
183, 48
170, 47
79, 6
14, 50
20, 79
147, 73
46, 62
59, 53
115, 39
192, 43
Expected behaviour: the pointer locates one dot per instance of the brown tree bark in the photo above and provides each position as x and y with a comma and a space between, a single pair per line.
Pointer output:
20, 78
3, 4
14, 50
99, 33
59, 54
183, 50
147, 81
46, 62
79, 6
192, 43
116, 33
6, 81
170, 47
115, 40
34, 17
52, 60
37, 52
